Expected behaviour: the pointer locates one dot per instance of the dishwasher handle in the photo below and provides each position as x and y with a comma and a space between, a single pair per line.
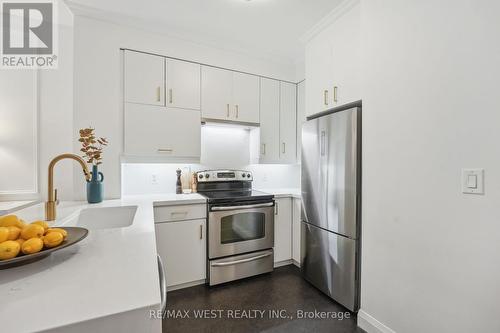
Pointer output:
163, 283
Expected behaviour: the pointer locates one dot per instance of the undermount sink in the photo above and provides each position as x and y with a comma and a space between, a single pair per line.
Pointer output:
107, 217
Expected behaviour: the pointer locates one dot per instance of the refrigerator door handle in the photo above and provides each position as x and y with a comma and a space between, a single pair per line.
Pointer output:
322, 143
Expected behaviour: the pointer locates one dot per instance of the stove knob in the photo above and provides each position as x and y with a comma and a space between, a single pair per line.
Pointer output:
200, 176
249, 175
207, 175
243, 175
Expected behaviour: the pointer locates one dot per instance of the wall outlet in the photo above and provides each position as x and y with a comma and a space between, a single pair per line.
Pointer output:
473, 181
154, 179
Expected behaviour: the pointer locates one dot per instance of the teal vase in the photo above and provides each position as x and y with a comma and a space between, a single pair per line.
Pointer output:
94, 186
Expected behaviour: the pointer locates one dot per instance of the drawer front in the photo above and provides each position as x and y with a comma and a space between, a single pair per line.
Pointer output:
179, 213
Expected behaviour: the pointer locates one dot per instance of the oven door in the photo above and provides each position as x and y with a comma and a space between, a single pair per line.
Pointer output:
240, 229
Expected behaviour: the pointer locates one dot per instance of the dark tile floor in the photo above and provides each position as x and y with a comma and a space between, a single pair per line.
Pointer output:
283, 291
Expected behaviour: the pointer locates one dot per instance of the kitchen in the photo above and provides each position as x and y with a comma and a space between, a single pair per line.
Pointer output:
258, 105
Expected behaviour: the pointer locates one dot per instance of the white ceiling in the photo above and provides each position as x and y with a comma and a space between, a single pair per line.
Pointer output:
271, 28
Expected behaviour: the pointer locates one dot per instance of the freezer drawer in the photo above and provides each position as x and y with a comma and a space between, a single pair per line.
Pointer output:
329, 262
240, 266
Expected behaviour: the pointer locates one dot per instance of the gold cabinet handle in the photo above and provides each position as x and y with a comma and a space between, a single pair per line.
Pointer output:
158, 94
263, 149
284, 147
276, 212
170, 98
237, 110
227, 106
165, 150
201, 231
335, 94
325, 96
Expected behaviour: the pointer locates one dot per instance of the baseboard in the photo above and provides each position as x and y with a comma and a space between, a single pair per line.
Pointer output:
186, 285
372, 325
296, 263
282, 263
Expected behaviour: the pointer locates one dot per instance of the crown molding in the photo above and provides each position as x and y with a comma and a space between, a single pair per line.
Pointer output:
331, 17
155, 26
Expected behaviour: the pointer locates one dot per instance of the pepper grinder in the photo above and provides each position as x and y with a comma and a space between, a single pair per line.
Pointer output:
178, 184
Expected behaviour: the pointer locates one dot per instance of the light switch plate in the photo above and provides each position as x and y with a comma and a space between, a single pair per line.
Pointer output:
473, 181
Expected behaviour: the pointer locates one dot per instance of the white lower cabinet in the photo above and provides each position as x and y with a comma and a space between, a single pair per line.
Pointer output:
153, 131
182, 247
296, 230
283, 229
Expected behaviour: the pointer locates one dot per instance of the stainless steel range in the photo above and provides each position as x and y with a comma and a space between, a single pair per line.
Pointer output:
240, 226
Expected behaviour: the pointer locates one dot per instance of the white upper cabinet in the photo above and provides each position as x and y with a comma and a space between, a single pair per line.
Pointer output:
183, 84
229, 96
246, 98
301, 115
333, 64
216, 93
154, 131
288, 123
269, 120
144, 78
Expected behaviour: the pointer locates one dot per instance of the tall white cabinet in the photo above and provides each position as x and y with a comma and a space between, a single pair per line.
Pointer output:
278, 114
333, 62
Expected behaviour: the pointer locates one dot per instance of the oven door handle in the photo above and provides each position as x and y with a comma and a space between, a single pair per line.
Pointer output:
229, 263
224, 208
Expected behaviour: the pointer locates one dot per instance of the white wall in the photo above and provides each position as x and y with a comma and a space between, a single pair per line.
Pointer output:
97, 80
430, 108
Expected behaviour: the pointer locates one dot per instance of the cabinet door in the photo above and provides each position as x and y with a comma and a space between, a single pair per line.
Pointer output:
288, 123
283, 230
144, 78
245, 98
319, 90
269, 120
346, 57
296, 231
183, 84
301, 116
216, 93
160, 132
182, 247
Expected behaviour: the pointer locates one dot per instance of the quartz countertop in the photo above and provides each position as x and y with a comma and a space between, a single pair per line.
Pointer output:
112, 271
282, 192
8, 207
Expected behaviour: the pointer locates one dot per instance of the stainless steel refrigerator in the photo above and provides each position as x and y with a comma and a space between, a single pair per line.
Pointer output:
331, 203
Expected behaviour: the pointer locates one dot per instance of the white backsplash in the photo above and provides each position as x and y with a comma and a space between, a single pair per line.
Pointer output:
161, 178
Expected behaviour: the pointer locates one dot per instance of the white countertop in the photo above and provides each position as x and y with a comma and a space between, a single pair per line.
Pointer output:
282, 192
8, 207
110, 272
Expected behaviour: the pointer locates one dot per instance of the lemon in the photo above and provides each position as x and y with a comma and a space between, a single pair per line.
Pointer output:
32, 230
43, 224
13, 232
32, 245
4, 234
61, 230
10, 220
20, 241
9, 249
53, 239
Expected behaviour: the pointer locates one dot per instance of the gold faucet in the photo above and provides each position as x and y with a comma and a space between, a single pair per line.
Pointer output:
50, 205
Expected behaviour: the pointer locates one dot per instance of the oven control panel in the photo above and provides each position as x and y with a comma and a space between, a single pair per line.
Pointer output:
223, 175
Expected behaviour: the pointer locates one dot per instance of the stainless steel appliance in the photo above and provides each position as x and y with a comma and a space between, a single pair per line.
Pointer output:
240, 226
331, 202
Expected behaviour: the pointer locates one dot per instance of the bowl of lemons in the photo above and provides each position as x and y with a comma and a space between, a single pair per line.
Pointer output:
22, 243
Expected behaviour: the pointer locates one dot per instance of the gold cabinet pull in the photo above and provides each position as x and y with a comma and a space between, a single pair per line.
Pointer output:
165, 150
276, 212
201, 231
170, 98
325, 96
335, 94
227, 106
158, 94
284, 147
237, 110
263, 149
